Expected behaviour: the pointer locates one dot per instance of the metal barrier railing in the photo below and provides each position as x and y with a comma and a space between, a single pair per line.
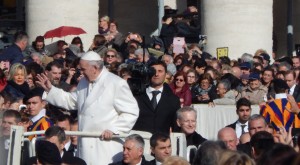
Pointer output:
18, 136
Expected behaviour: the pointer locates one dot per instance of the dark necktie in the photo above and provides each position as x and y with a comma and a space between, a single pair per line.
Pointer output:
153, 100
243, 126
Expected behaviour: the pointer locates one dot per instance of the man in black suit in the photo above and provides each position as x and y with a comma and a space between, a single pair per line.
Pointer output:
64, 121
160, 145
243, 110
157, 104
290, 79
10, 117
57, 136
133, 150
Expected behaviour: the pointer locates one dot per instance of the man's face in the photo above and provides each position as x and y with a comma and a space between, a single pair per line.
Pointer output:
229, 137
158, 79
54, 140
36, 59
74, 139
162, 150
296, 62
35, 105
267, 76
131, 152
65, 125
6, 124
243, 113
187, 123
245, 71
87, 70
54, 75
256, 126
290, 80
200, 70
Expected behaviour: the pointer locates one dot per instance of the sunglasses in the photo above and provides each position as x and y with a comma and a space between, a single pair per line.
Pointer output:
181, 80
110, 56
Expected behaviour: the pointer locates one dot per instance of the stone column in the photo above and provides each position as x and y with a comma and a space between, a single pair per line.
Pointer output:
241, 25
45, 15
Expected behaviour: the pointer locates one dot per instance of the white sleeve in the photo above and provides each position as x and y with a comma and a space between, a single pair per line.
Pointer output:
60, 98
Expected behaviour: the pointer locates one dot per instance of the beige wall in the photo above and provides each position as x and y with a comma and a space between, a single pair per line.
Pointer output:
45, 15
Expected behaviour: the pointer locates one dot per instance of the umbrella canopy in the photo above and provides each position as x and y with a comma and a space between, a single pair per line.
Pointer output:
63, 31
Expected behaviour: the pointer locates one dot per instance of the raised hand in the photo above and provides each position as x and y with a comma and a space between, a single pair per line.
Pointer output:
44, 82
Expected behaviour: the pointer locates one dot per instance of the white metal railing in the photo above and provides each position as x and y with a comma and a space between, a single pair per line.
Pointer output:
18, 136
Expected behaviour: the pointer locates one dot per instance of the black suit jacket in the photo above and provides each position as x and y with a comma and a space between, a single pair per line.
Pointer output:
159, 119
152, 162
233, 125
144, 162
245, 148
296, 93
67, 158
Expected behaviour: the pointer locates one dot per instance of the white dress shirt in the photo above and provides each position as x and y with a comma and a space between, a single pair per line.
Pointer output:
238, 128
41, 114
149, 93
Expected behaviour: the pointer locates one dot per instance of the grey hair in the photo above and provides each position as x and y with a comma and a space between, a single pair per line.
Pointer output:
185, 109
256, 117
97, 64
139, 141
246, 57
168, 56
139, 51
36, 54
287, 65
226, 83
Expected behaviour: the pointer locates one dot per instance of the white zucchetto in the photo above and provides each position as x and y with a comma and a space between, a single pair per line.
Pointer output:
91, 56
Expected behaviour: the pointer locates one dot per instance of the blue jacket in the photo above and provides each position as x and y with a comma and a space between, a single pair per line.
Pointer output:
13, 54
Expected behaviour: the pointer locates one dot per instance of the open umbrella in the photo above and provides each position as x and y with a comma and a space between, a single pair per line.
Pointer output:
63, 31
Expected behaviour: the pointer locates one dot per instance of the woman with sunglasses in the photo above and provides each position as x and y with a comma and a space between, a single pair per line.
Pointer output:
181, 89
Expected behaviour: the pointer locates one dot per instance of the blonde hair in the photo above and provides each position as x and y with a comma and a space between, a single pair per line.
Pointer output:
14, 68
229, 157
175, 160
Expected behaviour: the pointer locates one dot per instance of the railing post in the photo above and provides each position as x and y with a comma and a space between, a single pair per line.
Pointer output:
14, 152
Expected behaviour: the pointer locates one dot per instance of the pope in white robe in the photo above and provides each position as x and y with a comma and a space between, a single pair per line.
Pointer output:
105, 104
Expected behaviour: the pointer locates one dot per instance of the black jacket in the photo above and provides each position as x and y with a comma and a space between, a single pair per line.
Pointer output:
159, 119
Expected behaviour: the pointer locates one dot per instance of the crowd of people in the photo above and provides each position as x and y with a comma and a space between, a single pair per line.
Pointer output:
119, 85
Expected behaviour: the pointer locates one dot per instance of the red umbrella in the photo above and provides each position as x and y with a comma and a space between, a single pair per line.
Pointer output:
63, 31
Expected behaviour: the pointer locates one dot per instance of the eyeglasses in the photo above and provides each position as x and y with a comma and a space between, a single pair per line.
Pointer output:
110, 56
191, 76
181, 80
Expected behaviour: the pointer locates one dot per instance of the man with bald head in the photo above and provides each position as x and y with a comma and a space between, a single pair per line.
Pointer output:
228, 136
105, 104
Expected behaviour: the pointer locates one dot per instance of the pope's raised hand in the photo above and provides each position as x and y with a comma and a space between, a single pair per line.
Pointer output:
44, 82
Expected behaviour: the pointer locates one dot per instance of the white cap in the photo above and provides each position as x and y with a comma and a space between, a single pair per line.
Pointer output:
91, 56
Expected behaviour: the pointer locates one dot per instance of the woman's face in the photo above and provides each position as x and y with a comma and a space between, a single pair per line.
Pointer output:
19, 77
204, 84
178, 62
191, 78
179, 81
112, 28
110, 57
103, 23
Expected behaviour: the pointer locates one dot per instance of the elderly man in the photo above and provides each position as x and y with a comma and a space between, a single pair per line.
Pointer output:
105, 104
228, 136
133, 150
186, 120
160, 145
